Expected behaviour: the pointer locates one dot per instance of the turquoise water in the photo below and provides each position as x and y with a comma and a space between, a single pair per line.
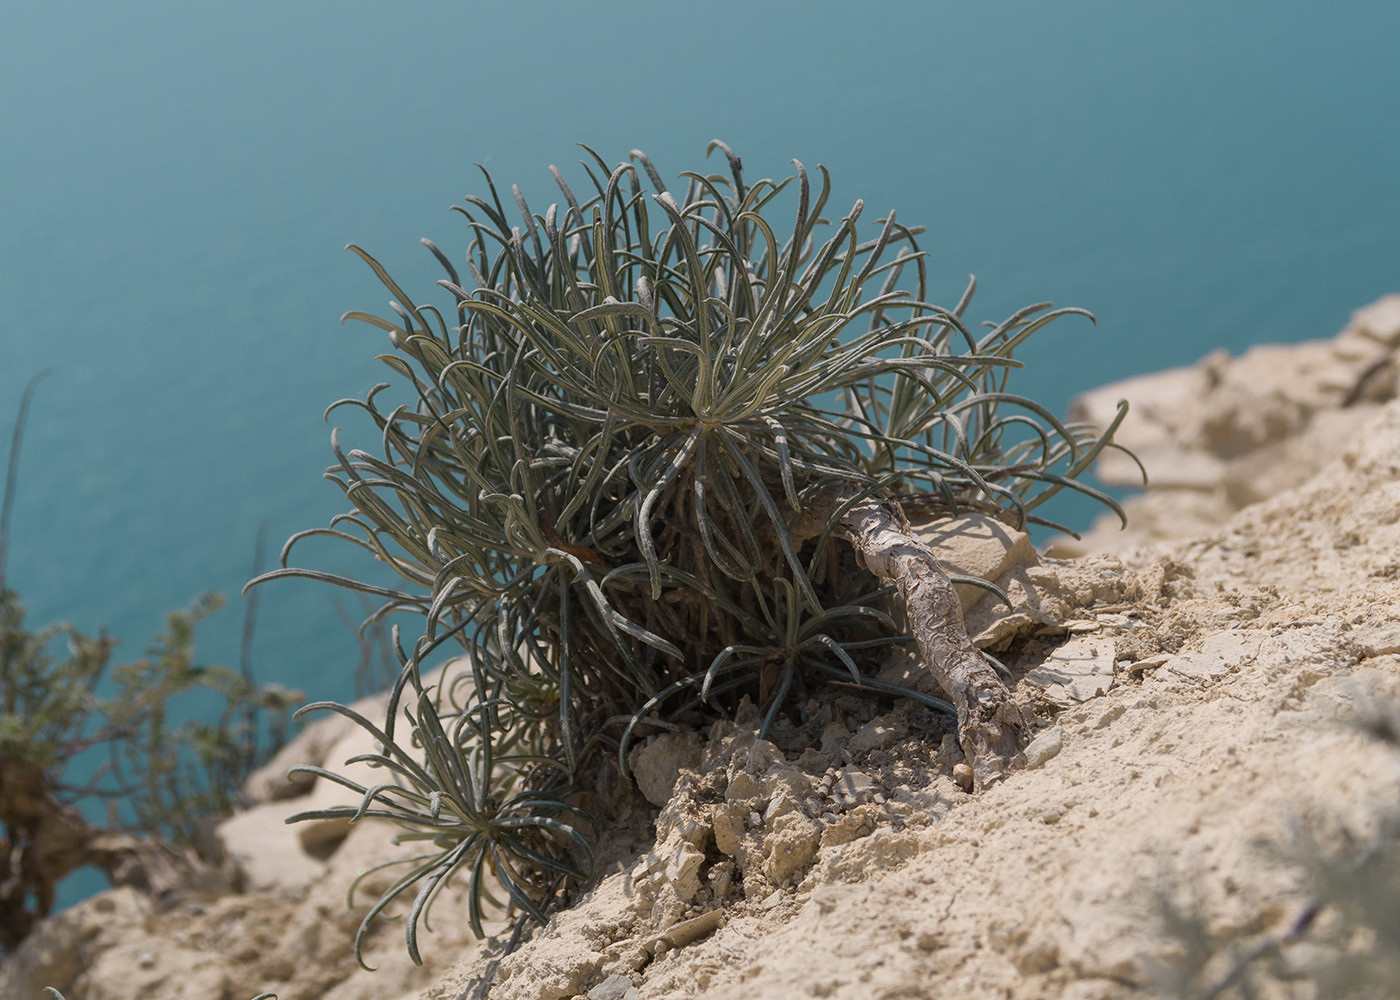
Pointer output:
177, 181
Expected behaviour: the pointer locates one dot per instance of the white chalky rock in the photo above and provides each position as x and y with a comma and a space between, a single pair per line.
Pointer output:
1079, 670
1045, 746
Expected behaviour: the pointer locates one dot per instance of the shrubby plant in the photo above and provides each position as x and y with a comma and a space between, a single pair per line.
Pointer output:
653, 453
61, 697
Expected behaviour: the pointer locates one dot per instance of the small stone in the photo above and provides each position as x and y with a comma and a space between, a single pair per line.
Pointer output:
615, 987
146, 960
772, 900
853, 787
686, 931
721, 875
1078, 671
976, 545
656, 765
962, 774
1045, 746
879, 734
1376, 640
1148, 663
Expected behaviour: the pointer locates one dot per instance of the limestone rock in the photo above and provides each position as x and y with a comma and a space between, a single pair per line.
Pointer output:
879, 733
1045, 746
61, 948
657, 763
615, 987
1218, 655
976, 545
1228, 432
1380, 320
270, 853
311, 746
1376, 639
1077, 671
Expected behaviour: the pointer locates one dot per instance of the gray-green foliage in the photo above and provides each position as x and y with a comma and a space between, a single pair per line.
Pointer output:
591, 483
162, 778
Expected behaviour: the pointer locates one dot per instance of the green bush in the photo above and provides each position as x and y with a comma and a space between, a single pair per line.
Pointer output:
612, 429
160, 781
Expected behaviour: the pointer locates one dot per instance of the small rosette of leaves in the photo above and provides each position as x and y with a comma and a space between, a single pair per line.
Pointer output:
451, 788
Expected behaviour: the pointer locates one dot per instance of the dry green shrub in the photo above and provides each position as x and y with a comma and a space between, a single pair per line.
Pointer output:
590, 482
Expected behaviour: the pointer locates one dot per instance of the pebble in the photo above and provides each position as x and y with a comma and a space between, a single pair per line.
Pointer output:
686, 931
962, 774
1045, 746
852, 787
1148, 663
615, 987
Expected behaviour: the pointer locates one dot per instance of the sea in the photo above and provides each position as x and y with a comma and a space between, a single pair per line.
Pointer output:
178, 181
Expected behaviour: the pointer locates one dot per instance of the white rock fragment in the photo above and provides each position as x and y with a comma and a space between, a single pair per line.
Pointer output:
977, 545
1148, 663
615, 987
1079, 670
1045, 746
683, 869
879, 733
1220, 653
657, 764
695, 928
1380, 320
1376, 640
852, 787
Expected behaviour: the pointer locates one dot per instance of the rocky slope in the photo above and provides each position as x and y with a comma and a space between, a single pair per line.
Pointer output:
1197, 699
1227, 432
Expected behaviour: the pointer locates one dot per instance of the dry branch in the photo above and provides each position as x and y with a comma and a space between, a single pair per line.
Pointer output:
991, 728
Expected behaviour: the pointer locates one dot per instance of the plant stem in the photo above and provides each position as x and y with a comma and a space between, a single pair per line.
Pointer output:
991, 728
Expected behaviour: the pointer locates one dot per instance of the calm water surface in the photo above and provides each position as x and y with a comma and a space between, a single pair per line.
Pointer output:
177, 181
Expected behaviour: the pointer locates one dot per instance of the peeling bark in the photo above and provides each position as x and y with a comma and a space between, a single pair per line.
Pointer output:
991, 728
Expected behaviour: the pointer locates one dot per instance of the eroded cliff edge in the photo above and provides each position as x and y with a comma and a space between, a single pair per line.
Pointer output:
1197, 693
